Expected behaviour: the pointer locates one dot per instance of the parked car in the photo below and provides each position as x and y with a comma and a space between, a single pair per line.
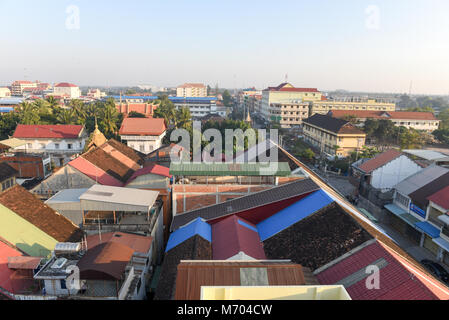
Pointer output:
436, 269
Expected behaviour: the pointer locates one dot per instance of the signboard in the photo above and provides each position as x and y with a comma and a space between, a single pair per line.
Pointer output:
417, 210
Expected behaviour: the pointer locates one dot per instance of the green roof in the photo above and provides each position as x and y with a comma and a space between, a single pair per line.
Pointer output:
280, 169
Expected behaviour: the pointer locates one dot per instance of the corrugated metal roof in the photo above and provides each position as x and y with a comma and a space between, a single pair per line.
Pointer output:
123, 196
234, 235
230, 169
420, 179
13, 142
397, 283
419, 197
255, 200
67, 195
427, 154
291, 215
192, 275
196, 227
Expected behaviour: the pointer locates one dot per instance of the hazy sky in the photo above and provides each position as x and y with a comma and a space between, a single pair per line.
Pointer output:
377, 45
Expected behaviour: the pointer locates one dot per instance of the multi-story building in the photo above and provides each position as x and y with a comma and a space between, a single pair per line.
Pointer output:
17, 87
324, 106
95, 94
335, 137
289, 114
68, 90
5, 93
191, 90
61, 142
143, 108
425, 121
143, 134
284, 94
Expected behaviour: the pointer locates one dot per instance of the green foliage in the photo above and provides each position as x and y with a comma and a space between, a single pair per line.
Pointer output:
227, 99
8, 124
442, 135
307, 154
134, 114
386, 133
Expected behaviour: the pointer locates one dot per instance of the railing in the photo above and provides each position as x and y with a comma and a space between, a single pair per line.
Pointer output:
124, 289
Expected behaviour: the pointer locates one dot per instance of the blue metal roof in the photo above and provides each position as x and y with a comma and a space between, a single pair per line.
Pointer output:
196, 227
293, 214
11, 101
246, 225
428, 229
6, 109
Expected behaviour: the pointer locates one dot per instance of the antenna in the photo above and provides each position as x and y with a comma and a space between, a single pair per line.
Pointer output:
99, 226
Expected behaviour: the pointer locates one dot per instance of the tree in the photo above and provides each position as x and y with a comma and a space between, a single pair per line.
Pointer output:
8, 124
109, 117
166, 110
66, 116
183, 118
227, 99
410, 138
52, 102
28, 113
307, 154
134, 114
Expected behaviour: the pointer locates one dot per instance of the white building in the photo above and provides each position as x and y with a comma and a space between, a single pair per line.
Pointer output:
192, 90
61, 142
5, 93
68, 90
386, 169
143, 134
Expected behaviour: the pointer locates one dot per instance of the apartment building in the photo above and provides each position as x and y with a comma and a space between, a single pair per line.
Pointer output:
191, 90
335, 137
289, 114
354, 104
17, 87
284, 94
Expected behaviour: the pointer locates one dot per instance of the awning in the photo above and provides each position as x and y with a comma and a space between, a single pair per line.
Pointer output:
402, 214
428, 229
442, 243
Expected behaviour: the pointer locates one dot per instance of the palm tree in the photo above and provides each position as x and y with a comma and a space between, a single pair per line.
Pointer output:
183, 118
109, 117
28, 113
66, 116
52, 102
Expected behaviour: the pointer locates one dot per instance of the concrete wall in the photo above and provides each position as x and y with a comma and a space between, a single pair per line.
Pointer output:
392, 173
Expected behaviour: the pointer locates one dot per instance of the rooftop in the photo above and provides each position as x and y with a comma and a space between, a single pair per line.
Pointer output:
420, 179
252, 201
380, 160
48, 131
419, 197
395, 115
334, 125
6, 171
230, 169
193, 275
143, 126
441, 198
30, 208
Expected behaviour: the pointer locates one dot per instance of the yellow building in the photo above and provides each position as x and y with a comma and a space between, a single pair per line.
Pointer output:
324, 106
335, 137
286, 94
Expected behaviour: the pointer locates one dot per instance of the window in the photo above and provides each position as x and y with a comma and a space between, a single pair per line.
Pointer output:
70, 146
142, 147
42, 146
29, 145
56, 145
63, 284
402, 199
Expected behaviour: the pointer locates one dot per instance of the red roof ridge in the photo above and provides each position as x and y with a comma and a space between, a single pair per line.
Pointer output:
380, 160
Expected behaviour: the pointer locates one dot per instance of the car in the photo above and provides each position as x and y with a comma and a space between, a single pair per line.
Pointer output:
436, 269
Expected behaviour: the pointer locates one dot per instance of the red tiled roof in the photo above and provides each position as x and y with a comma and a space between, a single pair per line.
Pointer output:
94, 172
397, 115
48, 131
396, 282
151, 169
441, 198
380, 160
234, 235
143, 126
22, 82
136, 242
65, 85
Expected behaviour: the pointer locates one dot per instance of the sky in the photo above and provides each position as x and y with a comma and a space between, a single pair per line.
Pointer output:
357, 45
